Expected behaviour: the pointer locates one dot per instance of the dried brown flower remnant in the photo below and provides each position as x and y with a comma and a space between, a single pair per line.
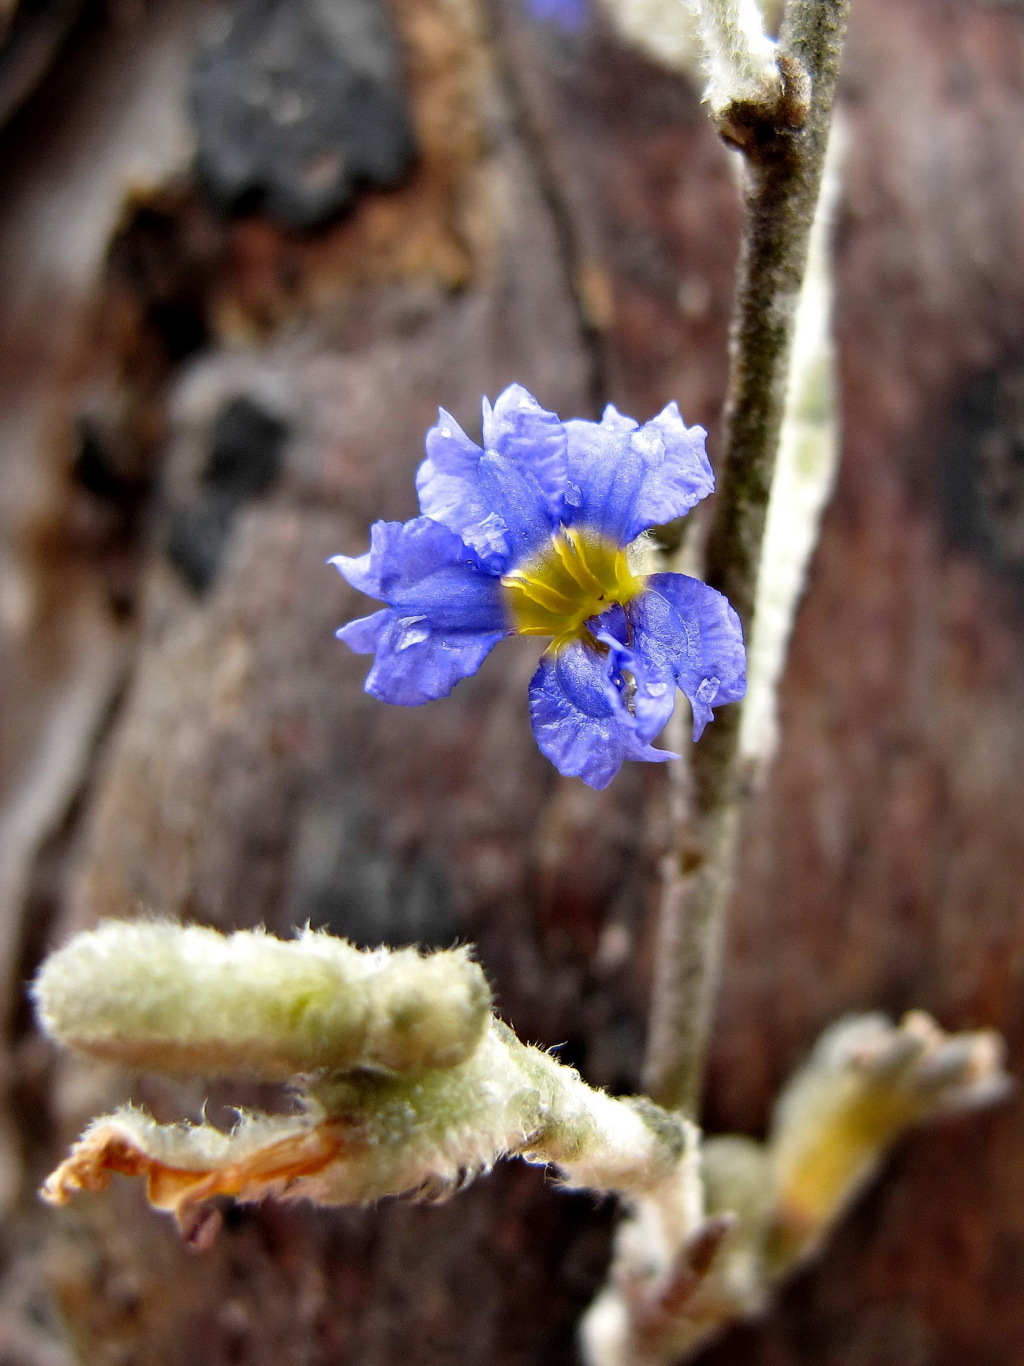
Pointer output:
186, 1167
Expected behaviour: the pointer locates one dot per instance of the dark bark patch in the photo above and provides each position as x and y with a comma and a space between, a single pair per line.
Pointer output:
245, 453
983, 469
245, 459
297, 107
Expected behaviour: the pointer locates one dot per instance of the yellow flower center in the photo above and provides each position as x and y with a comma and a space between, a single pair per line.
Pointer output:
577, 575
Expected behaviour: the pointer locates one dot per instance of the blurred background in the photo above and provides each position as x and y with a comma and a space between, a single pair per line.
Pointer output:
244, 254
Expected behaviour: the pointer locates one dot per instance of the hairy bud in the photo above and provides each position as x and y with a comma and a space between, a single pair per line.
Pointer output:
173, 999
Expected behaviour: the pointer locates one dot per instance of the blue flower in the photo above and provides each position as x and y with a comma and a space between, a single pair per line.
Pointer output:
569, 15
534, 535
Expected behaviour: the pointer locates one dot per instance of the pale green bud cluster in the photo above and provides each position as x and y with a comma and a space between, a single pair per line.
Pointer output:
406, 1082
864, 1084
763, 1207
172, 999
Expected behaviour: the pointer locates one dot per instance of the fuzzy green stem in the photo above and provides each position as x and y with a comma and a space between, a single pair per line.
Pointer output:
781, 180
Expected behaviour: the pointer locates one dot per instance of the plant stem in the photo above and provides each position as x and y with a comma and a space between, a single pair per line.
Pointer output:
781, 181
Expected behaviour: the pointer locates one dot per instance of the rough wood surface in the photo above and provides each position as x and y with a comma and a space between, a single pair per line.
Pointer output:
571, 224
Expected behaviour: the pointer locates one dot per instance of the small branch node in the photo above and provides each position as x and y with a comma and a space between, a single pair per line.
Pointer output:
746, 124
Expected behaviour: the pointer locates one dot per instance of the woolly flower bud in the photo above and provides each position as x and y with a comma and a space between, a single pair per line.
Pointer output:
404, 1082
174, 999
765, 1207
864, 1084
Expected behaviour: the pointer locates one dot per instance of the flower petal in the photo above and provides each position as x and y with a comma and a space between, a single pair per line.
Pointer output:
448, 485
415, 663
503, 500
444, 613
422, 568
580, 716
519, 430
361, 636
624, 478
569, 15
647, 685
682, 625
